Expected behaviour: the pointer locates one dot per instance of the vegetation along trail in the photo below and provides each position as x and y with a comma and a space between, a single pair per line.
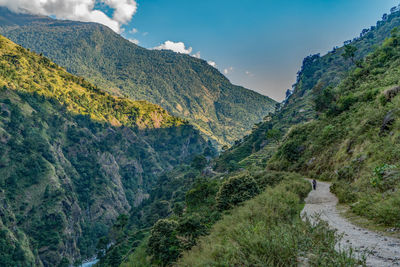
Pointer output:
383, 251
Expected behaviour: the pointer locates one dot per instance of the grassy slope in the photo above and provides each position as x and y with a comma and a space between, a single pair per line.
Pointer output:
268, 231
355, 141
73, 158
264, 231
185, 86
316, 74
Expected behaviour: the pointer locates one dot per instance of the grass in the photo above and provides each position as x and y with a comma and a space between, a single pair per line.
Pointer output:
139, 258
350, 143
268, 231
366, 223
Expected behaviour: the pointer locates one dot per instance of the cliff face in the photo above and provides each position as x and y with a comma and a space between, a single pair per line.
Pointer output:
73, 158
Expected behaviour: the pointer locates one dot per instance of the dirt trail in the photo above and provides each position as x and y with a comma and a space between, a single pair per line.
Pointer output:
385, 251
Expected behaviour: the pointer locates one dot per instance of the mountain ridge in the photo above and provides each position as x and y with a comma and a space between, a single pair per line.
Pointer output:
185, 86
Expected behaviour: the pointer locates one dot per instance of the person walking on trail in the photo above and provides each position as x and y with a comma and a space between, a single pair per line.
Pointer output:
314, 184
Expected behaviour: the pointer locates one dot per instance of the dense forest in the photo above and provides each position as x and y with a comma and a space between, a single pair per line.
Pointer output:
185, 86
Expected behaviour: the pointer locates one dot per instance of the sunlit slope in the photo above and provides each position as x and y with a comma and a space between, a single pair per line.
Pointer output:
185, 86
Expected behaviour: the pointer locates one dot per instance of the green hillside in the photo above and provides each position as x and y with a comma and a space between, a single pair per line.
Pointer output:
317, 73
185, 86
73, 158
245, 211
244, 218
354, 141
338, 126
84, 172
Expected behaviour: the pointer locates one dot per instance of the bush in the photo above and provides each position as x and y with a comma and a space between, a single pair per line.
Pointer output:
199, 162
268, 231
387, 211
344, 191
202, 194
236, 190
384, 176
164, 246
191, 227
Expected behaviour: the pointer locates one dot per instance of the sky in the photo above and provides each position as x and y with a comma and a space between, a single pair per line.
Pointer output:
259, 44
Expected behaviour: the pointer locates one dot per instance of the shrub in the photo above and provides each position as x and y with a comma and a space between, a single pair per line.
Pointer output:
387, 211
202, 194
191, 227
345, 173
164, 246
344, 191
199, 162
236, 190
268, 178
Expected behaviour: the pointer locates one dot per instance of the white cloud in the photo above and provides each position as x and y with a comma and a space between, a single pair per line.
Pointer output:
133, 31
81, 10
178, 47
228, 70
145, 33
197, 55
135, 41
212, 63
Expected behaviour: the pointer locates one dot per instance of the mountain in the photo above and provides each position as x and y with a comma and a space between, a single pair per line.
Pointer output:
316, 74
185, 86
354, 141
341, 123
73, 158
348, 133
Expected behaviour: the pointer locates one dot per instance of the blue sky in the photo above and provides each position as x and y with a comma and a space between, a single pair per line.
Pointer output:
264, 41
259, 44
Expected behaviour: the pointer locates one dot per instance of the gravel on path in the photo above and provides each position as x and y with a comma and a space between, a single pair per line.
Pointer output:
384, 251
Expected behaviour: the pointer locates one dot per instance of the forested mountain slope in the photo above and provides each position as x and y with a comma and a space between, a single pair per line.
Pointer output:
73, 158
184, 85
317, 73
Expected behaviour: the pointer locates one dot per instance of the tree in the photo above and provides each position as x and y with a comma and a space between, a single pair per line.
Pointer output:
199, 162
349, 52
324, 99
275, 135
164, 246
236, 190
117, 230
202, 194
191, 227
